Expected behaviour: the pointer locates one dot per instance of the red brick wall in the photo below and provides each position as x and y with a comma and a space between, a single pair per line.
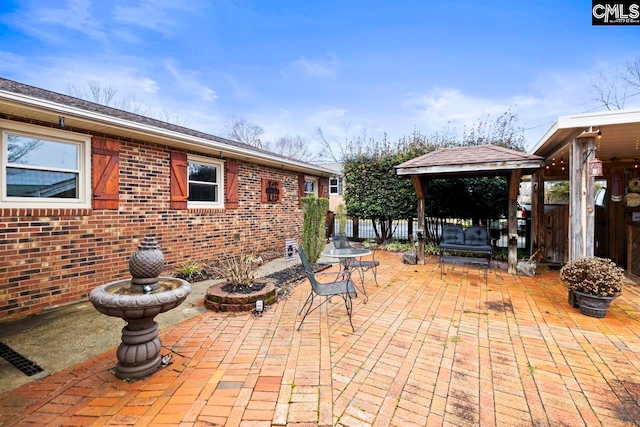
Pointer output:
52, 257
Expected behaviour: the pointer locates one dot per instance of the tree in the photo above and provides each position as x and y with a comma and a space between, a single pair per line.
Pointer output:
556, 191
612, 89
244, 131
504, 131
94, 91
295, 147
373, 190
338, 148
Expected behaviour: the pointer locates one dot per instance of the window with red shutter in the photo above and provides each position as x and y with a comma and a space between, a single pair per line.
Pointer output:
323, 185
179, 190
105, 173
301, 188
231, 184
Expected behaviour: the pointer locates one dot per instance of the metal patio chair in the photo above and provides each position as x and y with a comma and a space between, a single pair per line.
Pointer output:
340, 241
342, 288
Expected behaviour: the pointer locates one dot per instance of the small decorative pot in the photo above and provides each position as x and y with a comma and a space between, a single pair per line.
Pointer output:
593, 305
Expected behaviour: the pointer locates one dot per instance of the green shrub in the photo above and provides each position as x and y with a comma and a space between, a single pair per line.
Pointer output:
313, 232
396, 246
431, 249
341, 217
190, 271
503, 254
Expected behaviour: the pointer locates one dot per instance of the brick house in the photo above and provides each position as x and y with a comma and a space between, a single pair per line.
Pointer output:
82, 184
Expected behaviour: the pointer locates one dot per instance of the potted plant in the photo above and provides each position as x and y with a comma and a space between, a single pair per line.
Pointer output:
594, 282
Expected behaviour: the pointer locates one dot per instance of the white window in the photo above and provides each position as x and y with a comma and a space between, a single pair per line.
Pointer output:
310, 186
206, 182
335, 185
44, 168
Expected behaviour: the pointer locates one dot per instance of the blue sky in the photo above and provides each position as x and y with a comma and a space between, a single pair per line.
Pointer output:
293, 66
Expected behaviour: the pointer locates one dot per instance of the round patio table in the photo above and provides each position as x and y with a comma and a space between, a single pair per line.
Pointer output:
344, 255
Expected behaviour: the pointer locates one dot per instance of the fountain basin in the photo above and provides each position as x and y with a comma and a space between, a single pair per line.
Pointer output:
113, 299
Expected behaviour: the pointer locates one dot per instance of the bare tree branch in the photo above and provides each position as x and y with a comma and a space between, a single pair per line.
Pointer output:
295, 147
609, 92
106, 95
244, 131
631, 74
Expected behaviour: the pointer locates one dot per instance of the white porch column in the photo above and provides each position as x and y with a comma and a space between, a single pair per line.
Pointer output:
581, 198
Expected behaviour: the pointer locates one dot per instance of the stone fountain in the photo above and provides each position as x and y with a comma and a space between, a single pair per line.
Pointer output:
138, 300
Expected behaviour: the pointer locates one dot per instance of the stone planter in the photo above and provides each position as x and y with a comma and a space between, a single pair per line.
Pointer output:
593, 305
218, 300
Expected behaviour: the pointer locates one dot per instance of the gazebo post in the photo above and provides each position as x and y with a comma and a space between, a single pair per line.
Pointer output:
512, 222
581, 199
420, 185
537, 214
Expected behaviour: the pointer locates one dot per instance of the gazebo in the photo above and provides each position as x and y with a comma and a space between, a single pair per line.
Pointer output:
471, 162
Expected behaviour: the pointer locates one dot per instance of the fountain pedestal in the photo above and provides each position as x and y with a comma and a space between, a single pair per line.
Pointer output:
139, 352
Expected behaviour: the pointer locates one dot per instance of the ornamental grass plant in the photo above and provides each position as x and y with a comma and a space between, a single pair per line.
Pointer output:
593, 276
239, 271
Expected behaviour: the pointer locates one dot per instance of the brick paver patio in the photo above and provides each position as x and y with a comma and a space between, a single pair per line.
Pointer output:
426, 351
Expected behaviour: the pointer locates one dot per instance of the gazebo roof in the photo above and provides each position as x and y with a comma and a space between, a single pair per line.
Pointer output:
471, 161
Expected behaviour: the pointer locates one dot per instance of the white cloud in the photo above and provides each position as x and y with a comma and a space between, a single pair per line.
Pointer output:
9, 61
317, 67
536, 110
240, 91
129, 80
328, 114
444, 107
44, 22
284, 113
155, 15
202, 121
190, 81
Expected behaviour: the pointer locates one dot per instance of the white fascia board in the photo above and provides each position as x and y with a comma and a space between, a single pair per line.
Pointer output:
603, 118
158, 132
548, 134
584, 121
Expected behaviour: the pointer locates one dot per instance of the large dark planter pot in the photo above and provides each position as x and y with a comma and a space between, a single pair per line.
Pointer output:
572, 300
593, 305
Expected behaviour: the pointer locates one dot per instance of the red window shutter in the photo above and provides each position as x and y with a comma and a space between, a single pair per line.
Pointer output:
231, 185
323, 185
179, 189
301, 181
105, 175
